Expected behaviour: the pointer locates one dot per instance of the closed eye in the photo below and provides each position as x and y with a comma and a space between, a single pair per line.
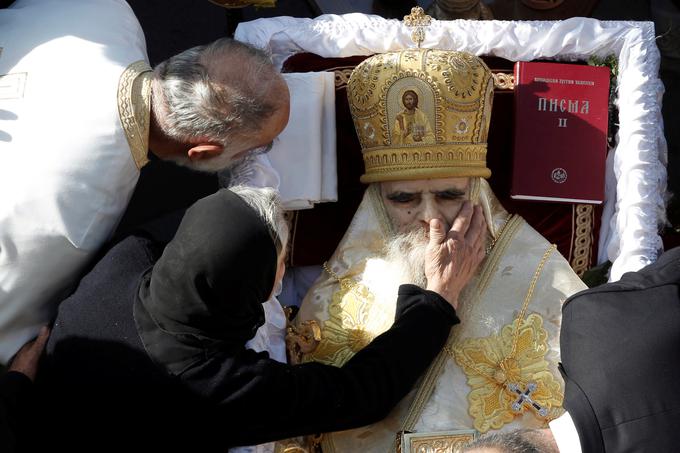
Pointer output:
401, 197
450, 194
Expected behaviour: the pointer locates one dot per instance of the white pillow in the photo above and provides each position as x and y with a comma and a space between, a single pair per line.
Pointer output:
66, 172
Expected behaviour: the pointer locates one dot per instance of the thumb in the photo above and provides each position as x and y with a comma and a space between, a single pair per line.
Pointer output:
437, 234
39, 343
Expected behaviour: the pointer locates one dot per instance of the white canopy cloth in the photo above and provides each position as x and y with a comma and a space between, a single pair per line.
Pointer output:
636, 168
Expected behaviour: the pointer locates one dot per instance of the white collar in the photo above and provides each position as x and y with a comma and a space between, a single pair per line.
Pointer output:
565, 434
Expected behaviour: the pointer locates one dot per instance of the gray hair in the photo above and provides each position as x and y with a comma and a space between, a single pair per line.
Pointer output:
265, 201
520, 441
215, 90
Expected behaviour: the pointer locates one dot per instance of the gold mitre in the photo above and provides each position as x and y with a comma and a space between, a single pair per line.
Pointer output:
422, 113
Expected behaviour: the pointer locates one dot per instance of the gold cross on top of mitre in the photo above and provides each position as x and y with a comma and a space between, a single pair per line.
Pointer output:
417, 20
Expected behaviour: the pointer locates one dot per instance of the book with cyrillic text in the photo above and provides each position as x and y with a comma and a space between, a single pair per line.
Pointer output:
561, 113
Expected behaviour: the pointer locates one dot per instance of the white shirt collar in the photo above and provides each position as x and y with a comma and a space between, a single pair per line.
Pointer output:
565, 434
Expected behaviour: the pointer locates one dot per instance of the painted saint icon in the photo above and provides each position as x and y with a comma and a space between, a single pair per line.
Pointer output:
411, 126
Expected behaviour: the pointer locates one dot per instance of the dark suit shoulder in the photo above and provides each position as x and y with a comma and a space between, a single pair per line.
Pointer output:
664, 271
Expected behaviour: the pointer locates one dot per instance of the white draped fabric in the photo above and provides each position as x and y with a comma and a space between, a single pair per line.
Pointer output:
302, 162
636, 168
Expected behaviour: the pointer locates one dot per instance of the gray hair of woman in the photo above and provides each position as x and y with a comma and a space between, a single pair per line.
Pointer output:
215, 90
265, 201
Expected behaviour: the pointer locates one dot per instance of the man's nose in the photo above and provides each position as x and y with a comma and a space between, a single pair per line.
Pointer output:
430, 211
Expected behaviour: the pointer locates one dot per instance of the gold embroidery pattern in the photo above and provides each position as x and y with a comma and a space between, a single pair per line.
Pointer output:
500, 367
344, 334
439, 443
583, 241
490, 402
134, 108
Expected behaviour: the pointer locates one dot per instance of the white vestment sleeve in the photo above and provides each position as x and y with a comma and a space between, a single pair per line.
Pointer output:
66, 168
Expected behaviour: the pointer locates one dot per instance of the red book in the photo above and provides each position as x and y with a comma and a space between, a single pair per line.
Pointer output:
561, 113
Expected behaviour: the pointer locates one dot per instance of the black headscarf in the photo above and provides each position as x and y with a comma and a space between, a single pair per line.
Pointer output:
205, 293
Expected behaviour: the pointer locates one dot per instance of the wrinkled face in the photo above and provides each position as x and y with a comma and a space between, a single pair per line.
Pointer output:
412, 204
410, 101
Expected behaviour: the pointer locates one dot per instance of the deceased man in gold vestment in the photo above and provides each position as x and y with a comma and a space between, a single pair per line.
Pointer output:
498, 370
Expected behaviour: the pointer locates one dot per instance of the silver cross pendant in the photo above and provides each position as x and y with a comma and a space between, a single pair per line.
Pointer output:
524, 398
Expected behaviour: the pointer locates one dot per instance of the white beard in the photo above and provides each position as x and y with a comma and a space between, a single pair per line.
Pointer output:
405, 255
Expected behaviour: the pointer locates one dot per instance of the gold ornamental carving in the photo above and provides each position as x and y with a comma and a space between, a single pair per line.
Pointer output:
443, 442
342, 76
418, 21
504, 81
422, 113
584, 217
301, 339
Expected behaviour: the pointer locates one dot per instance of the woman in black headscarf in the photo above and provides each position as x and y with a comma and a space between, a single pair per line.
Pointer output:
149, 352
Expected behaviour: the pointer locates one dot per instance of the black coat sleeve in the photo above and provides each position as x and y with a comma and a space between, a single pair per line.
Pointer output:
16, 392
260, 399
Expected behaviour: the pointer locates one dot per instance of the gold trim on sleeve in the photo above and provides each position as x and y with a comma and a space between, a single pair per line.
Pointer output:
134, 109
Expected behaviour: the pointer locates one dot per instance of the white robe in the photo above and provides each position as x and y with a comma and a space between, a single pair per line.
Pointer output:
66, 169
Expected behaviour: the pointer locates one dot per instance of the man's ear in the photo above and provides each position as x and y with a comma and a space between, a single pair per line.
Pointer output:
204, 151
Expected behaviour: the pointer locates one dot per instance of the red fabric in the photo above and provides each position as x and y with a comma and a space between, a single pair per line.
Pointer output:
317, 232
